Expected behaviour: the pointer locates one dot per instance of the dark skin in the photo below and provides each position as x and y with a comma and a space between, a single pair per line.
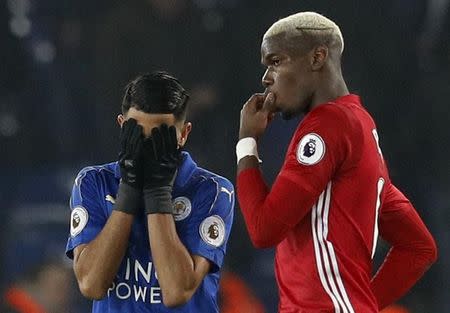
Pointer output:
299, 77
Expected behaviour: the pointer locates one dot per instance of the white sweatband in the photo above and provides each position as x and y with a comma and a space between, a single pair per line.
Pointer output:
246, 147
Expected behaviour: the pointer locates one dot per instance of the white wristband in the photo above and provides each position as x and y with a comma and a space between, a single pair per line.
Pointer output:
246, 147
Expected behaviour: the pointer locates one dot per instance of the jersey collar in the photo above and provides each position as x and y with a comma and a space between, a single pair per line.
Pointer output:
185, 171
352, 98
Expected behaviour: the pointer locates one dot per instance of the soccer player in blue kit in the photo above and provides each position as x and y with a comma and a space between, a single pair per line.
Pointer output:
148, 233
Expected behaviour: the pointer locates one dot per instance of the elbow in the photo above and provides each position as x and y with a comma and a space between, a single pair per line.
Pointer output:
265, 231
176, 298
178, 294
264, 237
425, 254
262, 241
431, 252
91, 290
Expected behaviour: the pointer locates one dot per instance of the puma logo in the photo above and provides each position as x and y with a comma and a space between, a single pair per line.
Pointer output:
110, 199
228, 192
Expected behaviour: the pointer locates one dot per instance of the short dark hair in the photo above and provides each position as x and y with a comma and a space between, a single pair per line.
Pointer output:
157, 92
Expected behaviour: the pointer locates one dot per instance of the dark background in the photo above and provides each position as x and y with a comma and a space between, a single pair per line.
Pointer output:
63, 66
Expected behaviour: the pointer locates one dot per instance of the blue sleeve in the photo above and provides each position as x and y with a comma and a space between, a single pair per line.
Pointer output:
87, 212
207, 231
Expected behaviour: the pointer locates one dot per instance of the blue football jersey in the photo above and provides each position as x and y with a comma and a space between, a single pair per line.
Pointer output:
203, 205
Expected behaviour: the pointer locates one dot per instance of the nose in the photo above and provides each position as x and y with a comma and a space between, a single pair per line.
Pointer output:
267, 79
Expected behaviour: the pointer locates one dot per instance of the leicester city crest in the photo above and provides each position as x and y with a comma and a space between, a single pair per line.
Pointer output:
181, 208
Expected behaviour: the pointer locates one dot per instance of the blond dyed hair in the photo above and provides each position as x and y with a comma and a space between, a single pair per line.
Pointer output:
308, 23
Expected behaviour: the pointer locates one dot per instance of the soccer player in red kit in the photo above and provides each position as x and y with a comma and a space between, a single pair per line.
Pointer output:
333, 195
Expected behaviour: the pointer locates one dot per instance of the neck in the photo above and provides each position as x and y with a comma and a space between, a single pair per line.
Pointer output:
331, 88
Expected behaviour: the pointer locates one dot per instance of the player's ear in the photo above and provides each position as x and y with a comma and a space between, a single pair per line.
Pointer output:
319, 57
120, 119
185, 131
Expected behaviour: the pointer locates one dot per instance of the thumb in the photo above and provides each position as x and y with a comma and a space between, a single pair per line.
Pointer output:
268, 103
255, 102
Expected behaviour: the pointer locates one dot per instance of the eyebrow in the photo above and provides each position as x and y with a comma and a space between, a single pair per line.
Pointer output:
268, 57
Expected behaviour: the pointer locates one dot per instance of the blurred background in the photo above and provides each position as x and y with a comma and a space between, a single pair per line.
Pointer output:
63, 68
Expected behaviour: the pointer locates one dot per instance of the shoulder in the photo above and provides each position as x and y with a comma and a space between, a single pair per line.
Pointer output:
335, 121
91, 186
333, 114
209, 181
212, 191
94, 172
331, 129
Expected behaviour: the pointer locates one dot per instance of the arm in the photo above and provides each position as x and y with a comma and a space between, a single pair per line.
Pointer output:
412, 253
267, 221
184, 256
181, 266
96, 263
270, 213
179, 273
264, 229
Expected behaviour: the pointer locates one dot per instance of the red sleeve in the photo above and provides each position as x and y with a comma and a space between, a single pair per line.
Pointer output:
413, 248
318, 148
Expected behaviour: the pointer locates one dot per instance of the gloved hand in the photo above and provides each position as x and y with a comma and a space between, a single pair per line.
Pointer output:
131, 171
161, 160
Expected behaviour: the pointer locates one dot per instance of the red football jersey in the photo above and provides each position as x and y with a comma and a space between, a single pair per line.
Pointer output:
335, 158
323, 213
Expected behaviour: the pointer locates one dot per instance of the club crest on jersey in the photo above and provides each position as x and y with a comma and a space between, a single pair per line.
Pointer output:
212, 230
78, 220
311, 149
181, 208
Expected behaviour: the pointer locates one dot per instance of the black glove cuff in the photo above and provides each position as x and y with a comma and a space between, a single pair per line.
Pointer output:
158, 200
128, 199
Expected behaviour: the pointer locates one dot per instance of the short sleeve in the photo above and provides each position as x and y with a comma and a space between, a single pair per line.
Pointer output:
206, 232
321, 144
87, 216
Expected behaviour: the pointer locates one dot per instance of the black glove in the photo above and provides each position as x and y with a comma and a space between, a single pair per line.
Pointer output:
161, 160
131, 171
